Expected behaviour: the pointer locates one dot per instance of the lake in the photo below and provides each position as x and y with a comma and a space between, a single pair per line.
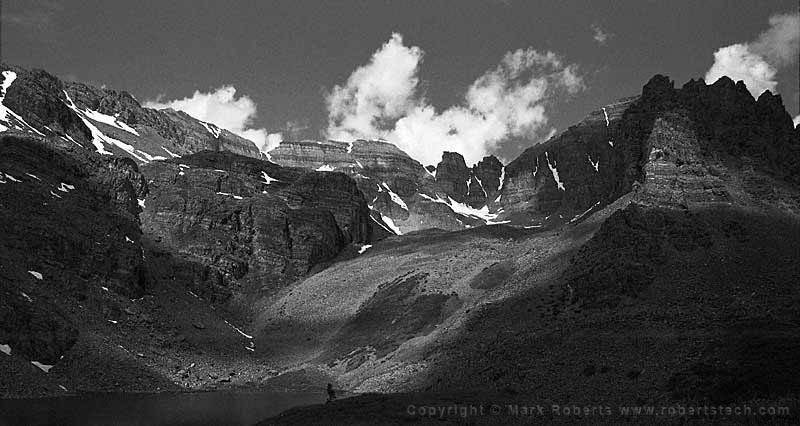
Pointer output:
206, 408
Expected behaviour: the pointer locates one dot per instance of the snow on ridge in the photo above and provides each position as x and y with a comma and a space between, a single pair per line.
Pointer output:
606, 116
325, 168
396, 198
111, 121
37, 275
44, 367
267, 179
595, 164
6, 349
555, 172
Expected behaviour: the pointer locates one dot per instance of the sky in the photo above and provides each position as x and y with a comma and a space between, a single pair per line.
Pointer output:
475, 76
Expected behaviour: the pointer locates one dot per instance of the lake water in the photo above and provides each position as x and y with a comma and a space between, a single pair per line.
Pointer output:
207, 408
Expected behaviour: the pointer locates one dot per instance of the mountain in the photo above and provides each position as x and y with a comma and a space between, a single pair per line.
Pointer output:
405, 196
647, 255
107, 121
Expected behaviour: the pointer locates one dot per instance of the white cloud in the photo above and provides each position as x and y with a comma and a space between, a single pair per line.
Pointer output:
222, 108
599, 35
382, 99
796, 121
757, 62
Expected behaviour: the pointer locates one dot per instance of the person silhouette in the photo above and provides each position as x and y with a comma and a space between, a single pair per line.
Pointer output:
331, 393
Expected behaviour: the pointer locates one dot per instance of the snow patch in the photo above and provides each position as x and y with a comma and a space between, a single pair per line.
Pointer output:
99, 138
382, 225
141, 202
502, 178
349, 147
11, 178
128, 240
5, 349
584, 213
359, 164
171, 154
325, 168
267, 179
33, 176
390, 223
395, 198
555, 172
364, 248
44, 367
25, 295
214, 130
113, 321
594, 164
65, 187
481, 185
605, 114
237, 197
37, 275
8, 78
610, 142
465, 210
238, 330
54, 194
111, 121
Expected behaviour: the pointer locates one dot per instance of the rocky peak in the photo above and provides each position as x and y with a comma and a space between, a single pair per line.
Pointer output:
452, 176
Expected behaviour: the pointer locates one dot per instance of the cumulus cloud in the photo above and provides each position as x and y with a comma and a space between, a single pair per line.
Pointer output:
757, 62
599, 35
382, 99
222, 108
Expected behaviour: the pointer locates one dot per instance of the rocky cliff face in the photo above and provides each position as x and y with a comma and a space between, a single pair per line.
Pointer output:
256, 224
403, 195
70, 227
670, 139
107, 121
